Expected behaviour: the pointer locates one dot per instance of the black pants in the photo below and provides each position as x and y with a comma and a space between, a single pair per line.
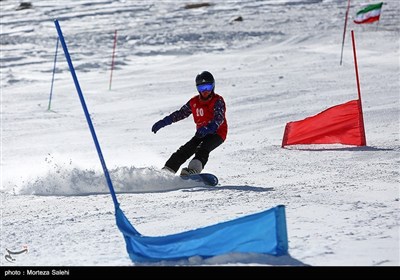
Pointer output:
201, 147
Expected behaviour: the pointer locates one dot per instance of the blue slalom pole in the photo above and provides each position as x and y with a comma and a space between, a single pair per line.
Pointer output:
52, 79
85, 110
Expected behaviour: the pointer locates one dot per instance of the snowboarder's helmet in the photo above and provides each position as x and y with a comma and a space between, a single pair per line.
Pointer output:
205, 77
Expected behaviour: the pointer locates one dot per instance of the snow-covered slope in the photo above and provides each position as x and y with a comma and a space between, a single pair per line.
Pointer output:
280, 64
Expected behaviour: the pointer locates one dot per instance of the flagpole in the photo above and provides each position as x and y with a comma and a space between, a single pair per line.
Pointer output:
344, 30
52, 79
355, 64
377, 24
86, 111
113, 56
364, 141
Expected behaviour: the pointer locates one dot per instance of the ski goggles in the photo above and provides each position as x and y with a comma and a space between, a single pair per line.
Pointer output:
205, 87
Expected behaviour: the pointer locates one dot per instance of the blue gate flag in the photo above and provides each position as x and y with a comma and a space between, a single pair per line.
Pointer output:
263, 233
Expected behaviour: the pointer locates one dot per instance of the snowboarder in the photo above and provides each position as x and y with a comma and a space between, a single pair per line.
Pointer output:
208, 109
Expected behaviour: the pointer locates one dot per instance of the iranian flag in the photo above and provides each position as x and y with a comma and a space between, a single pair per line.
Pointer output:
369, 14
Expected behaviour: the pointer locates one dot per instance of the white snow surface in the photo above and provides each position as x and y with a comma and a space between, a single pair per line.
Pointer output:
280, 64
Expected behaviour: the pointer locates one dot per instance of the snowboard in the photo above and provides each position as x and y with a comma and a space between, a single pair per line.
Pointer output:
205, 178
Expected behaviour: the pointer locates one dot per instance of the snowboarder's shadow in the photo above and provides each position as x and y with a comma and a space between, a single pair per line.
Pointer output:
233, 187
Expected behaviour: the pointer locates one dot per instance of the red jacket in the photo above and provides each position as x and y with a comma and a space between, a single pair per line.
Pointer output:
204, 112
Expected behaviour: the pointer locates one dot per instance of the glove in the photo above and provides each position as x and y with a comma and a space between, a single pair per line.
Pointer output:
161, 123
207, 129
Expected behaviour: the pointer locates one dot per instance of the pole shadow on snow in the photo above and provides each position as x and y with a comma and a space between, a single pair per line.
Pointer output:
257, 259
348, 149
231, 259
